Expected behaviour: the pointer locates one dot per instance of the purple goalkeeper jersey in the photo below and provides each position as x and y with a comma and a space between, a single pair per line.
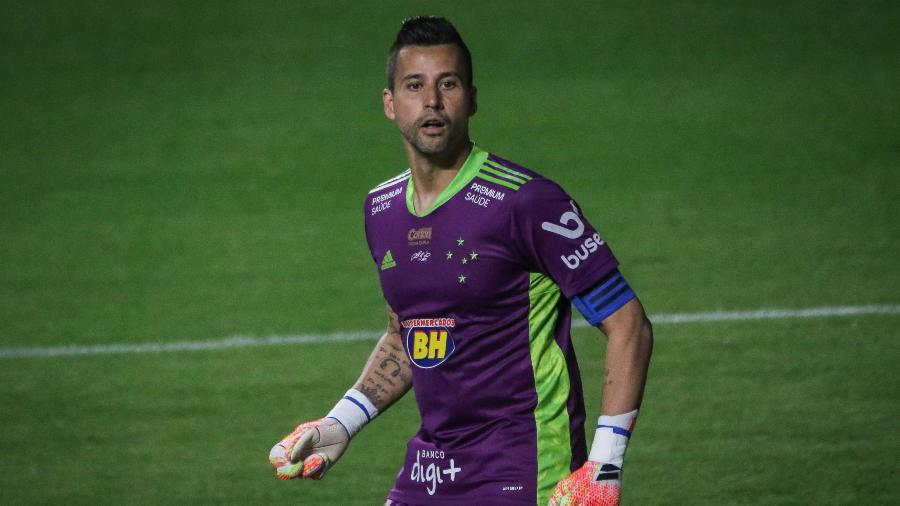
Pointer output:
481, 283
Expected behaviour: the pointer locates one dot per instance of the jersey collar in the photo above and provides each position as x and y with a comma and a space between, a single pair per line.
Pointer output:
466, 173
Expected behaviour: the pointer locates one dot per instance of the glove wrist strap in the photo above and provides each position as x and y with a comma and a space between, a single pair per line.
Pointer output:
611, 438
353, 411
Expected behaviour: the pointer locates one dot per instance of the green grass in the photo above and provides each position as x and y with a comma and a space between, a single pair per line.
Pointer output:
195, 170
783, 412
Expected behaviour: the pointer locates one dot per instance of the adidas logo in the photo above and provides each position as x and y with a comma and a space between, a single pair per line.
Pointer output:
388, 261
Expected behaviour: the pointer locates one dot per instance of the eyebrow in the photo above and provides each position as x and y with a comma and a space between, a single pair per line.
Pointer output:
442, 75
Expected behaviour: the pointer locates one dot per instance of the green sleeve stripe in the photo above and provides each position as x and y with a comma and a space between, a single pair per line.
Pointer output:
551, 381
498, 181
504, 175
507, 169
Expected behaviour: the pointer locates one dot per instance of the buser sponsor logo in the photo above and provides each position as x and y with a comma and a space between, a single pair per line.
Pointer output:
590, 245
571, 226
418, 236
568, 218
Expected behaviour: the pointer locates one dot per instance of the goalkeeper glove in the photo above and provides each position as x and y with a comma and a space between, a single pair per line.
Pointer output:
599, 481
312, 448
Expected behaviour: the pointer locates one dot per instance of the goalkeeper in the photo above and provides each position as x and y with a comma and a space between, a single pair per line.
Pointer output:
480, 261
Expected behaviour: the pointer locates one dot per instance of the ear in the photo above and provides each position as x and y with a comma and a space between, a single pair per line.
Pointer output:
387, 99
473, 101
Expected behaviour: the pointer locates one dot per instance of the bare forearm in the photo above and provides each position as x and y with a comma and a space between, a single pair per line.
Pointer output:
628, 351
387, 375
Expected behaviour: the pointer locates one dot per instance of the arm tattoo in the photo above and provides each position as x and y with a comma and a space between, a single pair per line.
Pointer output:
394, 366
372, 394
388, 373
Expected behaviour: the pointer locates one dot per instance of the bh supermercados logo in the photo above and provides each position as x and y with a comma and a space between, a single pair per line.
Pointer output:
428, 340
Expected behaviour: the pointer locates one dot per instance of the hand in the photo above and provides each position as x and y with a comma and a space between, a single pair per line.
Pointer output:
309, 450
592, 485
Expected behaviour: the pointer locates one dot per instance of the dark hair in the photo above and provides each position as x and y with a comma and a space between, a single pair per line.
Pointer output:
427, 31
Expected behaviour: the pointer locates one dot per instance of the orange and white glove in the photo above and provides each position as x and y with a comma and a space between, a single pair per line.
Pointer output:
599, 481
312, 448
591, 485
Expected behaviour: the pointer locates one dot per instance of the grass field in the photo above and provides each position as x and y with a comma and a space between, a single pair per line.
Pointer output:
185, 171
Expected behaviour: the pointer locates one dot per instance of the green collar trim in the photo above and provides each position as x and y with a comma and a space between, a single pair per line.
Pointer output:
466, 173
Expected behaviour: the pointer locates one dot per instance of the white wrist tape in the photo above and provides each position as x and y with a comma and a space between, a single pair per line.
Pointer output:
611, 438
353, 411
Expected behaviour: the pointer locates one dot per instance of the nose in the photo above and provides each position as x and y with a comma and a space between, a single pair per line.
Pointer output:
433, 98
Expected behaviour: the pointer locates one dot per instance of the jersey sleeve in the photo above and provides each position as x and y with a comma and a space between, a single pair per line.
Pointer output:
554, 238
366, 231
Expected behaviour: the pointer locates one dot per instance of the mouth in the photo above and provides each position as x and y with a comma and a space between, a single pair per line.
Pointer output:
433, 126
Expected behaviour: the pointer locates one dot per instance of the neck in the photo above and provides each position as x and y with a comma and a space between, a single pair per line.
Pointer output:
432, 174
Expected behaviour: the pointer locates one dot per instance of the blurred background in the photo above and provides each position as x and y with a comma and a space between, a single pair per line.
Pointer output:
178, 172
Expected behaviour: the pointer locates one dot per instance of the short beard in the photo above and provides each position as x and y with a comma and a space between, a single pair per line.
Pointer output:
431, 147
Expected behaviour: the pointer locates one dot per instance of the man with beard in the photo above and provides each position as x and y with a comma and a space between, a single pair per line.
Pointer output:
479, 259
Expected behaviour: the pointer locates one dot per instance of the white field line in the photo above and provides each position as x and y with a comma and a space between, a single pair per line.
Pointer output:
247, 342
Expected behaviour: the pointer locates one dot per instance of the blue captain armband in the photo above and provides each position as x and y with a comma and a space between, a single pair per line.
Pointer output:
604, 299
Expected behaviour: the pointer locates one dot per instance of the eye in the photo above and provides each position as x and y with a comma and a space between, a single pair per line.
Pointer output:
414, 86
448, 84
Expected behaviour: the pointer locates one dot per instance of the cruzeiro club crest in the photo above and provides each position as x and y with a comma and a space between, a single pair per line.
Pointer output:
429, 341
464, 259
